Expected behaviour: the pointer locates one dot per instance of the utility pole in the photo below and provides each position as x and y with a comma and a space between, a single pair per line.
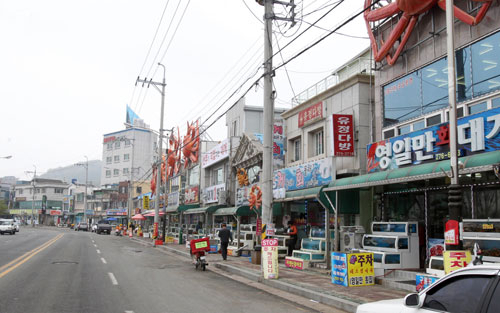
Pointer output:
454, 191
33, 200
86, 165
160, 152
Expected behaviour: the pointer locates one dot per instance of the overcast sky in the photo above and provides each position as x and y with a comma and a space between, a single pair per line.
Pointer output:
69, 67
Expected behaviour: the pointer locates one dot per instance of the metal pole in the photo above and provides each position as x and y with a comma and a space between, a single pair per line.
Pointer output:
85, 195
33, 200
160, 156
267, 170
454, 192
131, 182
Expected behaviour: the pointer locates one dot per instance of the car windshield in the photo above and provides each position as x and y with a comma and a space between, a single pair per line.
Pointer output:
83, 224
4, 223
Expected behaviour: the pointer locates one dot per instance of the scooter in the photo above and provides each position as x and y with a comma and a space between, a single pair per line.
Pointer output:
200, 260
199, 247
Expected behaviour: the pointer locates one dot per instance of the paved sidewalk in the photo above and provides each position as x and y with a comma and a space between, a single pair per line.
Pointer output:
314, 284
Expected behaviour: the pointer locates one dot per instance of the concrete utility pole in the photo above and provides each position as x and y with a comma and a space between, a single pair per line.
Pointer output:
86, 165
160, 146
454, 192
33, 200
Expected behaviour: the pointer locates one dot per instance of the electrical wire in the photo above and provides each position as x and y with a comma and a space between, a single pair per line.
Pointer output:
258, 19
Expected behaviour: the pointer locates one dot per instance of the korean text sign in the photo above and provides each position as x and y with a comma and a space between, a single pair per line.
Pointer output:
216, 154
270, 258
305, 175
294, 263
353, 269
454, 260
311, 114
477, 133
343, 135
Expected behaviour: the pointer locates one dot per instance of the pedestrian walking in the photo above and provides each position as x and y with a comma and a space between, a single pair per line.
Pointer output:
225, 236
292, 232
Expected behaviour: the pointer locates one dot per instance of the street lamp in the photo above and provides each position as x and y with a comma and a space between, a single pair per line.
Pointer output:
86, 165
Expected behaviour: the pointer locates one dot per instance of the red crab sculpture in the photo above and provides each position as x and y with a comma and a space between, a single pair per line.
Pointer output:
191, 144
153, 181
410, 9
174, 157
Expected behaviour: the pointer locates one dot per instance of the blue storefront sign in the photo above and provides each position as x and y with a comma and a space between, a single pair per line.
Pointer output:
477, 133
308, 175
339, 269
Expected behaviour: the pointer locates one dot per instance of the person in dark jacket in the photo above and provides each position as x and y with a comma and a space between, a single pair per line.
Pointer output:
225, 236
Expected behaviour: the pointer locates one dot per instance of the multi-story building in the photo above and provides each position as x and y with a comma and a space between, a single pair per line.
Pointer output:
128, 155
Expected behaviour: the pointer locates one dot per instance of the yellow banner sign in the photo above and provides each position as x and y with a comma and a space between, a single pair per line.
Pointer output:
454, 260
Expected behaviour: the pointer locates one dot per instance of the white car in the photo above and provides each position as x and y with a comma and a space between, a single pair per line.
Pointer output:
7, 226
468, 290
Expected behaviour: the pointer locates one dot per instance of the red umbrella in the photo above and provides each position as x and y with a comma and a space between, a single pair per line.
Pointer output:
138, 217
153, 214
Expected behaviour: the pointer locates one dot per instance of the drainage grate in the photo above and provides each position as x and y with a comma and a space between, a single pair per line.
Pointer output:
64, 262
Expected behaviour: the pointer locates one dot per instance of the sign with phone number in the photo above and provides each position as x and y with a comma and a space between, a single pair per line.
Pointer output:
352, 269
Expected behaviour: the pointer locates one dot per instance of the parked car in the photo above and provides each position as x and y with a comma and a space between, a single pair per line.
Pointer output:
7, 226
468, 290
82, 226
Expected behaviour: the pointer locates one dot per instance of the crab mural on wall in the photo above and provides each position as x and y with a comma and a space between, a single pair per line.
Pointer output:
409, 11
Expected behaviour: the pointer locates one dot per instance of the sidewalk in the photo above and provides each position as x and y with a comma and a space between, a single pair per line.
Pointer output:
314, 284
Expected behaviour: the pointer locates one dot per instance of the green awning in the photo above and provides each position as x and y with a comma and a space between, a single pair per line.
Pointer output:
243, 210
277, 209
208, 209
471, 164
184, 207
308, 193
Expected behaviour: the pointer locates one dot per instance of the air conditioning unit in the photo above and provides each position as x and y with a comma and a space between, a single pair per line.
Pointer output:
222, 195
351, 237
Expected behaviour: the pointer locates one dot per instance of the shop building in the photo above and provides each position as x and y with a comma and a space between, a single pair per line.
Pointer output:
407, 164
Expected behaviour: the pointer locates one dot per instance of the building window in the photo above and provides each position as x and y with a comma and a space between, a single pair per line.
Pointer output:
127, 142
109, 146
109, 160
296, 149
44, 190
126, 157
389, 133
218, 176
419, 125
318, 143
117, 158
58, 190
108, 173
234, 128
116, 172
194, 176
405, 129
478, 107
117, 144
495, 103
433, 120
20, 191
125, 171
37, 190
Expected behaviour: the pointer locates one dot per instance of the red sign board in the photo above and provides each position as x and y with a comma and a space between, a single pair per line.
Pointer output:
294, 263
259, 227
343, 135
191, 195
451, 232
310, 114
108, 139
55, 212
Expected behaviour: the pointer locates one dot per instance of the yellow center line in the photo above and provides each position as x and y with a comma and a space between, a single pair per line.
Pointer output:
28, 255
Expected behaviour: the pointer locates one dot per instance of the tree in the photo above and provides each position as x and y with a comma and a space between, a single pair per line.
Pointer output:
4, 210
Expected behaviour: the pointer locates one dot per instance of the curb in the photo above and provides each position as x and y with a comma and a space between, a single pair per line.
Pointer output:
336, 302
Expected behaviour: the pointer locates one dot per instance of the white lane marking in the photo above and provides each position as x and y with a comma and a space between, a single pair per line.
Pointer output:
93, 241
129, 311
95, 246
104, 261
98, 251
113, 279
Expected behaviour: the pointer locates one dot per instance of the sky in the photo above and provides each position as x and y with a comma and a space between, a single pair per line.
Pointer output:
69, 68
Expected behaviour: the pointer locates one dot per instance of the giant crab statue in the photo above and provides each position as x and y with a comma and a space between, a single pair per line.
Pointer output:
409, 11
173, 155
191, 144
153, 181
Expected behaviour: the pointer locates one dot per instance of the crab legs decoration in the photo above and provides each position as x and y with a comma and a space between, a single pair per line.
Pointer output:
174, 155
410, 9
191, 144
255, 200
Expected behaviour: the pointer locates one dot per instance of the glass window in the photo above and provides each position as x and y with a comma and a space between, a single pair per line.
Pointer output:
419, 125
485, 67
463, 72
433, 120
20, 191
108, 173
318, 143
296, 150
478, 107
494, 305
44, 190
126, 157
108, 160
116, 172
58, 190
127, 142
117, 144
218, 176
194, 176
253, 174
389, 133
402, 99
109, 146
459, 294
125, 171
495, 103
405, 129
403, 243
435, 86
117, 158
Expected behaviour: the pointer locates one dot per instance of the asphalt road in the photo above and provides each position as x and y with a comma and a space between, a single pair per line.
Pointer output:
47, 270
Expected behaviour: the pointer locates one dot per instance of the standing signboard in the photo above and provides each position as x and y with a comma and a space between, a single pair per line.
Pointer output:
270, 258
353, 269
454, 260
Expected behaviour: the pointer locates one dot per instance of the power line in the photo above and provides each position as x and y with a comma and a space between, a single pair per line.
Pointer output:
258, 19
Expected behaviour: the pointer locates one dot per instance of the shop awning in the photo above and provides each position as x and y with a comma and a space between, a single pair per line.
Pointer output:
184, 207
308, 193
243, 210
208, 209
471, 164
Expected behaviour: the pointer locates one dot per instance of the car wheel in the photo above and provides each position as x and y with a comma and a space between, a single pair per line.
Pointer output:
13, 232
1, 233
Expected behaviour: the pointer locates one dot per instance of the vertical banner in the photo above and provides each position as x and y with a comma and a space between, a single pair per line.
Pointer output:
270, 258
451, 232
343, 135
339, 269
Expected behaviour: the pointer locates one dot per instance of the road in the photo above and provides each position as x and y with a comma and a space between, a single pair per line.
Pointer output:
45, 270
